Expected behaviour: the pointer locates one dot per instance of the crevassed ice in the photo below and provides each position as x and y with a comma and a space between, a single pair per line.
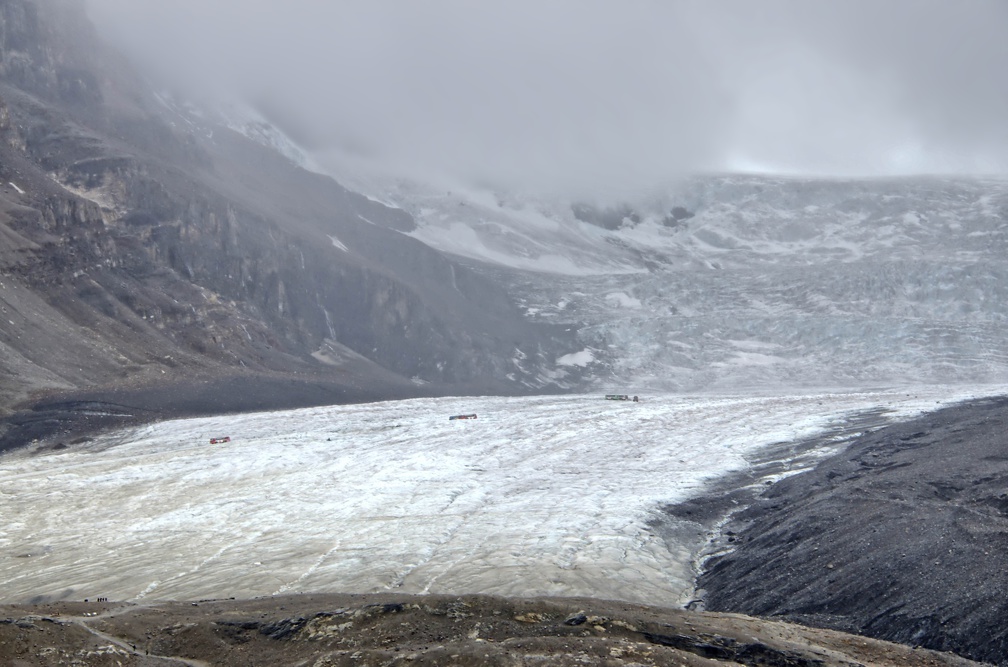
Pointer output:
537, 496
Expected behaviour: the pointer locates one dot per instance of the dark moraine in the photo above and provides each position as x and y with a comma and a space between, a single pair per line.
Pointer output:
903, 536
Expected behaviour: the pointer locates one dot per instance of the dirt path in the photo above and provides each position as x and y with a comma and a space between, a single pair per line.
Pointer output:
128, 646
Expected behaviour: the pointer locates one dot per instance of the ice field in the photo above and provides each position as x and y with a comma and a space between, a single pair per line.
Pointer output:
538, 496
789, 282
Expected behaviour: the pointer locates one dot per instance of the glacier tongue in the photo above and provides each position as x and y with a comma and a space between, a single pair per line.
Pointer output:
537, 496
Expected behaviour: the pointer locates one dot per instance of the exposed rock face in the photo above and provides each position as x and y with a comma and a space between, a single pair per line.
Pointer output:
38, 54
137, 243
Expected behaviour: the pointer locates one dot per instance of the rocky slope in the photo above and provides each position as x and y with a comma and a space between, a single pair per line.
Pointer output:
138, 243
902, 537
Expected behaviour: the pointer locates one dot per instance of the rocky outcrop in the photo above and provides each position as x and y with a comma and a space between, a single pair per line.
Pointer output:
48, 49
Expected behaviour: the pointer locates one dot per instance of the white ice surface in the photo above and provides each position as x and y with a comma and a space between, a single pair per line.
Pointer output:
547, 495
836, 283
582, 358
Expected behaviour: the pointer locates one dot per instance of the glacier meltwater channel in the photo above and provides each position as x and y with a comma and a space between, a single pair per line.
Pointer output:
537, 496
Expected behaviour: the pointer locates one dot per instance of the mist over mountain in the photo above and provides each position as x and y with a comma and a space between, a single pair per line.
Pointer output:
595, 98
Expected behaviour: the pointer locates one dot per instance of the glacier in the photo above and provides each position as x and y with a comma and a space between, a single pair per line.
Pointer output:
557, 495
769, 281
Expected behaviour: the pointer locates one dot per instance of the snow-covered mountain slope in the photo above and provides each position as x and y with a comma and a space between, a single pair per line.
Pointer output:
554, 496
520, 234
725, 221
729, 281
236, 116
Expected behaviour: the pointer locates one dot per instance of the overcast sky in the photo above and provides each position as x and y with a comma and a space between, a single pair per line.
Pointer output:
583, 94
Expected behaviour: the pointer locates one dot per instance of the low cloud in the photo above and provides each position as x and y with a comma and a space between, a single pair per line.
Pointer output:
584, 96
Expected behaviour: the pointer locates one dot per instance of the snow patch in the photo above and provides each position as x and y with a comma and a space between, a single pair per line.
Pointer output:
339, 244
582, 358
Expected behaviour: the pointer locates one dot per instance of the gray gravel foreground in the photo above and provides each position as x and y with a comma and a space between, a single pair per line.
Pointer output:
903, 536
